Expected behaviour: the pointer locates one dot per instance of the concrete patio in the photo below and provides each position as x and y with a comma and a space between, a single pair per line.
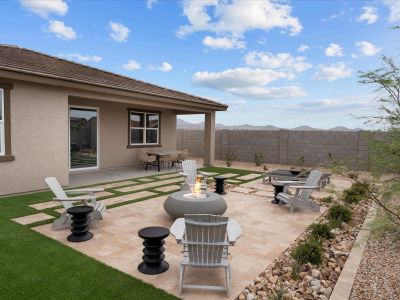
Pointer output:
267, 231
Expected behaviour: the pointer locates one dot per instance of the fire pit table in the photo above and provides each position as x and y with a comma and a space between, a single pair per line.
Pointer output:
184, 202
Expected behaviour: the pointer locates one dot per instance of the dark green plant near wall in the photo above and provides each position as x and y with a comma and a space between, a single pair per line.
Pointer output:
309, 251
229, 158
258, 159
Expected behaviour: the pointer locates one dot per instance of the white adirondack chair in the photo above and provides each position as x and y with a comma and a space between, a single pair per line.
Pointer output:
303, 192
205, 240
64, 221
190, 172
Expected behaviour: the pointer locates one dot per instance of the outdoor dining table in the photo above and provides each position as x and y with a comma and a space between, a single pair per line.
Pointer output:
158, 154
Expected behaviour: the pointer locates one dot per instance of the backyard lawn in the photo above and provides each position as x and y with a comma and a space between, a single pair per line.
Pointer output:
37, 267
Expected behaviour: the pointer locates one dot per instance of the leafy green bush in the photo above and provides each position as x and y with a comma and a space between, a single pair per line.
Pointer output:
322, 231
309, 251
338, 214
295, 270
229, 158
356, 193
258, 159
327, 199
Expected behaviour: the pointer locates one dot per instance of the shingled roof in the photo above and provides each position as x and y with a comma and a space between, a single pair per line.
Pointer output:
17, 59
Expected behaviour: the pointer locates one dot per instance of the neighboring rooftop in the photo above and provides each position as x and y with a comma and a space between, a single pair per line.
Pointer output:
21, 60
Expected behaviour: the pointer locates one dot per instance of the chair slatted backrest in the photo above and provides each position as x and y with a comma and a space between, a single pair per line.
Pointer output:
312, 180
142, 155
206, 239
190, 167
58, 191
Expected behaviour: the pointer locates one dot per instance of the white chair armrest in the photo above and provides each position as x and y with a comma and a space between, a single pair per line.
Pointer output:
233, 231
87, 190
178, 229
305, 187
288, 181
76, 199
183, 174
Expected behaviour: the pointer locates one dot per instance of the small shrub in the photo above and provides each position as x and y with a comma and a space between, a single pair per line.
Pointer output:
295, 270
356, 193
327, 199
338, 214
229, 158
309, 251
258, 159
279, 292
322, 231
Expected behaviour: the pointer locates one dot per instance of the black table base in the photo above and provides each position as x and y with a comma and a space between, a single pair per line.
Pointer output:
153, 258
277, 189
220, 185
80, 223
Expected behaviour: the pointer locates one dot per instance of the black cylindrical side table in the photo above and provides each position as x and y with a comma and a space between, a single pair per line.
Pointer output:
153, 258
80, 223
220, 185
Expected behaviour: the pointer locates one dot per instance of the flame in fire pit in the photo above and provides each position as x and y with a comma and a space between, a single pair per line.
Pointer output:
196, 189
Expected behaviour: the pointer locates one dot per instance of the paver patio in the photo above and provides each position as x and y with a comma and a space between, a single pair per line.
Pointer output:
267, 231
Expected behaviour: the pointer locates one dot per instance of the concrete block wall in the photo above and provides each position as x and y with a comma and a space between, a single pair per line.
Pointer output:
282, 146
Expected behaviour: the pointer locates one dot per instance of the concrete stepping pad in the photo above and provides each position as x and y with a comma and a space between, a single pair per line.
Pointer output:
129, 197
234, 181
114, 184
249, 176
167, 176
45, 205
168, 188
26, 220
149, 185
145, 179
264, 193
242, 190
229, 175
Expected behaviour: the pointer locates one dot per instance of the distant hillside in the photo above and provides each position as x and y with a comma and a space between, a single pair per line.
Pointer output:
182, 124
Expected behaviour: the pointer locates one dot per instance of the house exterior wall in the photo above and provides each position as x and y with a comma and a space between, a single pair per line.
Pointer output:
39, 129
40, 134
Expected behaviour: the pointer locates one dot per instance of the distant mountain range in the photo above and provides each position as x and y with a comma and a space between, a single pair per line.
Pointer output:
182, 124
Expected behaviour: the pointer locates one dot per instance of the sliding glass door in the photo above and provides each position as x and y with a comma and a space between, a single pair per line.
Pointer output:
83, 138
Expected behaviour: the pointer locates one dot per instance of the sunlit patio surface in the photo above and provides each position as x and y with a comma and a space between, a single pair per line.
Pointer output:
268, 230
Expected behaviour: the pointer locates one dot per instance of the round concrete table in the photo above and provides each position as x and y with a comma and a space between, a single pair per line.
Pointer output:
177, 205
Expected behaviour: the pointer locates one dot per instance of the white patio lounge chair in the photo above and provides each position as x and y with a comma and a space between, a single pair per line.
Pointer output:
64, 221
205, 240
190, 173
303, 192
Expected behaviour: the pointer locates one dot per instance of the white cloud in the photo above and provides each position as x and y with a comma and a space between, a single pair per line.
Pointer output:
165, 67
303, 48
394, 6
131, 65
332, 72
334, 16
283, 61
334, 50
119, 32
80, 57
248, 82
150, 3
367, 48
44, 8
350, 103
61, 30
370, 15
235, 102
237, 17
224, 43
262, 41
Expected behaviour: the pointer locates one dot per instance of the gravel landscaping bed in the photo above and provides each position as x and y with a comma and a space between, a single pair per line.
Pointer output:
379, 272
313, 282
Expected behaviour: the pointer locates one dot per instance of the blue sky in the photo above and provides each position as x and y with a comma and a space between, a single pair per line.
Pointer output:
284, 63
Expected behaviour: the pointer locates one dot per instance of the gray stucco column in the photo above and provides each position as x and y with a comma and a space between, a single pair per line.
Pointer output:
209, 138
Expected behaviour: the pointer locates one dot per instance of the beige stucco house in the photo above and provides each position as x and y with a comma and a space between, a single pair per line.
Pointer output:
58, 117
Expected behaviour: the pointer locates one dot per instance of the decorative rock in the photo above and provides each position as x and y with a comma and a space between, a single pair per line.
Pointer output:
250, 296
242, 297
322, 297
315, 273
333, 276
308, 278
315, 282
328, 292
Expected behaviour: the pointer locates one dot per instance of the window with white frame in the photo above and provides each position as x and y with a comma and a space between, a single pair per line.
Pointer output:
2, 133
144, 128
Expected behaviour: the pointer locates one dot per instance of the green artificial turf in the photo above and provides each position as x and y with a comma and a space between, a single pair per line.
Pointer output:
36, 267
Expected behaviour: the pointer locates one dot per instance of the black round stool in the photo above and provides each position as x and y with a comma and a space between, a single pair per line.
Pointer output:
80, 223
153, 258
220, 185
